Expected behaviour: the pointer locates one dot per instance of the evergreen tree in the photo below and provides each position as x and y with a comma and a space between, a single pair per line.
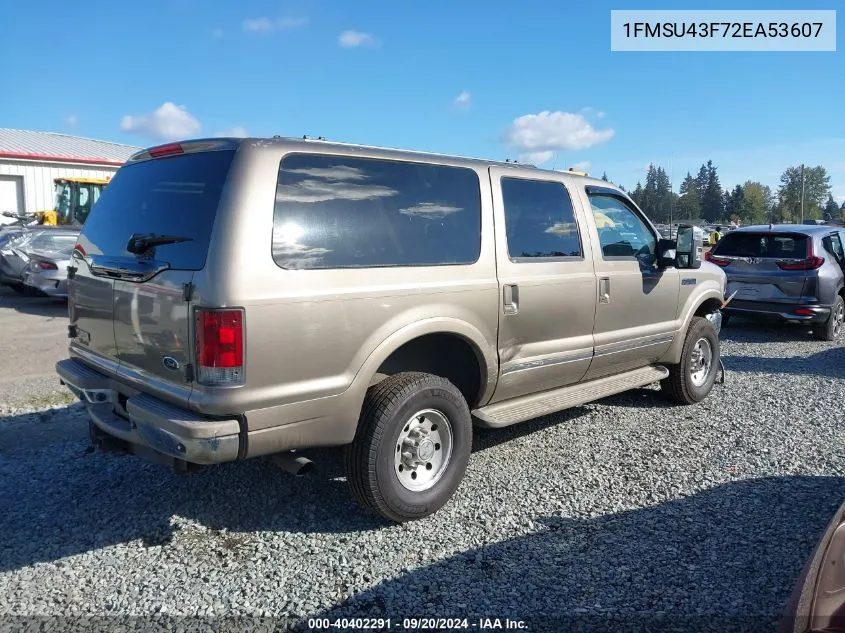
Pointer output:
712, 204
689, 203
604, 177
831, 209
816, 190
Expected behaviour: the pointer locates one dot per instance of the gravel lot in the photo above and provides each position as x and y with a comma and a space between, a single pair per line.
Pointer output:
620, 508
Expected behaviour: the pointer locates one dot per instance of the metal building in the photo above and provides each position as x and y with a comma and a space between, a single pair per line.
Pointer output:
30, 161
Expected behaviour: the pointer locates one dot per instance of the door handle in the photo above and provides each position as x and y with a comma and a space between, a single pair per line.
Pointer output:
510, 298
604, 290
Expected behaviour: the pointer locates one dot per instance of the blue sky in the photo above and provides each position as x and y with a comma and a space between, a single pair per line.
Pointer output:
489, 79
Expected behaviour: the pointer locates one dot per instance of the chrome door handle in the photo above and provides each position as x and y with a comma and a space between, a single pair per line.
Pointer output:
604, 290
510, 298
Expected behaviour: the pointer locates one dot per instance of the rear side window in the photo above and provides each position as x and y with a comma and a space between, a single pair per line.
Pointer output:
350, 212
774, 245
834, 246
539, 220
175, 196
55, 243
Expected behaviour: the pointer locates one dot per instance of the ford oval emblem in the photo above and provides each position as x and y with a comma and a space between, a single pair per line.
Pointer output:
171, 363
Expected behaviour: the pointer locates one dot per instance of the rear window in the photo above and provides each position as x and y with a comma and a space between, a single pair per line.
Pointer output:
351, 212
775, 245
53, 242
176, 196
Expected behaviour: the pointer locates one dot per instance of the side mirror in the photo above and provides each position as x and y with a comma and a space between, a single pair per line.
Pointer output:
666, 253
689, 247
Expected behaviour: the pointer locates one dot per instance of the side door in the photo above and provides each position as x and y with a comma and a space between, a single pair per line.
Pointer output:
547, 285
636, 311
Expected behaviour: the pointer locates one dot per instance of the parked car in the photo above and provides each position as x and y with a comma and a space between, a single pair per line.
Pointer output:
46, 270
16, 253
789, 272
232, 298
817, 603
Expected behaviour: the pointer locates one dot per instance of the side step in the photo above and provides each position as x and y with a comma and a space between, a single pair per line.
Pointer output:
537, 404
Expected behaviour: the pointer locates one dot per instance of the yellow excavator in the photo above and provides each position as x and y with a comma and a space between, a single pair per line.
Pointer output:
75, 197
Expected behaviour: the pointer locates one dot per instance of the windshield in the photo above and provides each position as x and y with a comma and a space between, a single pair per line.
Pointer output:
167, 196
63, 202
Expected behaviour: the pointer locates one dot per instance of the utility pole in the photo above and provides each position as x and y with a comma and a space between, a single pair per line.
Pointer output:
802, 193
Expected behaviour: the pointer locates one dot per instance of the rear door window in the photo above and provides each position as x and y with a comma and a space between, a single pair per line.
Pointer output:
350, 212
176, 196
834, 246
765, 245
539, 220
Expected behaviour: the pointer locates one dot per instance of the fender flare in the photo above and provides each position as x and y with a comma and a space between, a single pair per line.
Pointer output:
673, 354
487, 359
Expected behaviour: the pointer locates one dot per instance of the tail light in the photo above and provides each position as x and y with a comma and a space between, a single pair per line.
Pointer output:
220, 347
804, 312
166, 150
812, 262
719, 261
42, 265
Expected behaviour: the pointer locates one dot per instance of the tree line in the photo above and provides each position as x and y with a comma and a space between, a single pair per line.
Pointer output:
701, 198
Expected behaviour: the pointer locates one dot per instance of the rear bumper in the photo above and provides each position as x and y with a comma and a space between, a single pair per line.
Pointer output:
144, 421
779, 311
51, 286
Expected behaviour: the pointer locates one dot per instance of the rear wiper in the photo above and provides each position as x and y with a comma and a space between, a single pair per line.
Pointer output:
140, 243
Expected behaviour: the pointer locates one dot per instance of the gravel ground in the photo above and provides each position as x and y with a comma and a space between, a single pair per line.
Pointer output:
628, 507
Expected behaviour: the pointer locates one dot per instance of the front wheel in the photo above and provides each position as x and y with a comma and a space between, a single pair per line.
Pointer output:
831, 329
411, 448
691, 380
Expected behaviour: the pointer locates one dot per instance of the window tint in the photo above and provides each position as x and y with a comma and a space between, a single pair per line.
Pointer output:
622, 233
834, 245
349, 212
777, 245
56, 243
539, 219
176, 195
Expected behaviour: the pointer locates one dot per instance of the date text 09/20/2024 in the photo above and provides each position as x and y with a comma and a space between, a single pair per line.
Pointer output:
416, 624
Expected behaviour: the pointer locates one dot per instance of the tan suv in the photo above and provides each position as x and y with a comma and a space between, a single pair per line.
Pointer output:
231, 298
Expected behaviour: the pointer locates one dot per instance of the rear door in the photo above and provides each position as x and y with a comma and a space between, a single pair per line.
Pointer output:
766, 267
138, 251
547, 285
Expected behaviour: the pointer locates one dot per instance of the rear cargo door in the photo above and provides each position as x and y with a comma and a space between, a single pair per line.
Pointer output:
147, 235
767, 266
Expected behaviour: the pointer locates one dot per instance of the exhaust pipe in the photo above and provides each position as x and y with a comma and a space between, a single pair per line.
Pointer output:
296, 465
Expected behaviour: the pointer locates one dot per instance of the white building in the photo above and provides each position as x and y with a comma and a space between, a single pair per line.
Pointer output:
30, 161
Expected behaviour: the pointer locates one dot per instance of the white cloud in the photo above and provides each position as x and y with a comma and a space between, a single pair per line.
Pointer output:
354, 39
218, 32
464, 100
584, 165
237, 131
536, 158
71, 120
553, 131
336, 173
309, 190
266, 25
168, 123
430, 210
590, 111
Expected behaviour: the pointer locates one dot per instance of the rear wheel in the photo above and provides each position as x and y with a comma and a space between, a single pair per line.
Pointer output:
411, 448
691, 380
831, 329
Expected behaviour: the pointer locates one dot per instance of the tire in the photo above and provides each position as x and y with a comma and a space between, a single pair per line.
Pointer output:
395, 410
686, 384
831, 329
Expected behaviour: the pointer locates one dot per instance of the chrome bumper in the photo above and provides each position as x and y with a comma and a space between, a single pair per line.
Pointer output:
142, 420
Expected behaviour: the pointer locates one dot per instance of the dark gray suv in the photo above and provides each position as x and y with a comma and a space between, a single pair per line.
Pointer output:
789, 272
